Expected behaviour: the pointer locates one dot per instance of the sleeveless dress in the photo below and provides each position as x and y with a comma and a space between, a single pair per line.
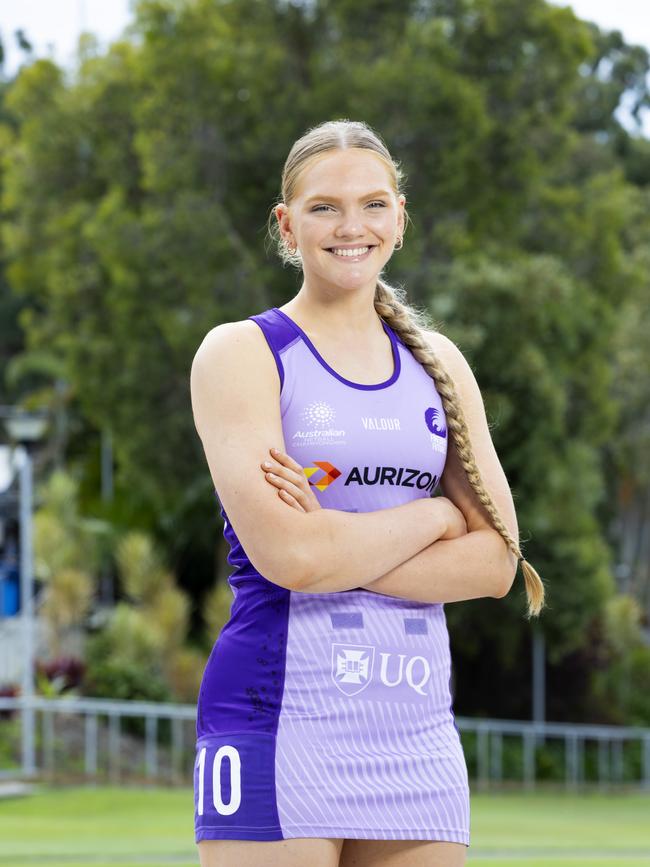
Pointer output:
330, 714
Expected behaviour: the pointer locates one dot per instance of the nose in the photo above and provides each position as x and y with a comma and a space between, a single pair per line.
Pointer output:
351, 222
350, 225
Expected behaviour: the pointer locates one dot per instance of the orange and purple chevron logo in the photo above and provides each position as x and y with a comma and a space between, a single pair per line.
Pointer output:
331, 474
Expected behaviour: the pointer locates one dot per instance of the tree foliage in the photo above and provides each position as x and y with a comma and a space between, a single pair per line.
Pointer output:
135, 196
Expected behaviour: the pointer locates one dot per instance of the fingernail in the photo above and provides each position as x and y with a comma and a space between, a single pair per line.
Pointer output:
275, 451
266, 464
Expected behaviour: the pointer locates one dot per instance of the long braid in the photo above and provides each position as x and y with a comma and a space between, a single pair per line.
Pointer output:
407, 322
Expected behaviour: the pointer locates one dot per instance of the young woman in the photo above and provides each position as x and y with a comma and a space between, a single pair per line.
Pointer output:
325, 729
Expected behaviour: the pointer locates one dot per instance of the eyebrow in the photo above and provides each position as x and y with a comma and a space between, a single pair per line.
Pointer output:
335, 199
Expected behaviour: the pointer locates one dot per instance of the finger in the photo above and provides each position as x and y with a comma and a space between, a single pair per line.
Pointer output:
304, 496
287, 461
298, 479
290, 500
280, 482
283, 471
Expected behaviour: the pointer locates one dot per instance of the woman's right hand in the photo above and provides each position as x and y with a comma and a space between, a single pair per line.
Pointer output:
290, 480
455, 522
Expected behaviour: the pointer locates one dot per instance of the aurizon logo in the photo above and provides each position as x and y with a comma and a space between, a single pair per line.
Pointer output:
331, 474
407, 477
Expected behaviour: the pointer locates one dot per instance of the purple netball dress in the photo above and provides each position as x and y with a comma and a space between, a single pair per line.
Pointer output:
330, 714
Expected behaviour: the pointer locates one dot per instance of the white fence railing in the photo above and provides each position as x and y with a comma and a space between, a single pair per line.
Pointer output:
113, 740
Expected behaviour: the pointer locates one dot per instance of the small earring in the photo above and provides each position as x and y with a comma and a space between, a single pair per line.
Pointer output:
401, 243
291, 249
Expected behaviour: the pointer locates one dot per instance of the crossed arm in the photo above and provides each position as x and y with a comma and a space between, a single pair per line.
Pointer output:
470, 566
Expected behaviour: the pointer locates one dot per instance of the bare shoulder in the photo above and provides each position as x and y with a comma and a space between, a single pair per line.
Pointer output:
237, 352
234, 381
238, 340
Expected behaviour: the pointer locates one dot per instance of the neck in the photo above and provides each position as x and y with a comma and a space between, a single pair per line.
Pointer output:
354, 315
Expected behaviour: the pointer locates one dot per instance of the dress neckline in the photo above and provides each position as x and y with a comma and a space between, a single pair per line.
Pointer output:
360, 385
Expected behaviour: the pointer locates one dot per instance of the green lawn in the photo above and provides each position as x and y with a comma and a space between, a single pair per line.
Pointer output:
560, 830
131, 827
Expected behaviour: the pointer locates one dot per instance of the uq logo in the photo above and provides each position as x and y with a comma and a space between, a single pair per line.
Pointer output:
352, 667
354, 670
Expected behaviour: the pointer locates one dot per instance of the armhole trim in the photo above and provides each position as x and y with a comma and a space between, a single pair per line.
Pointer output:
276, 354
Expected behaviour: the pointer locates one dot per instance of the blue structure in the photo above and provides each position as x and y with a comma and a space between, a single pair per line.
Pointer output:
9, 589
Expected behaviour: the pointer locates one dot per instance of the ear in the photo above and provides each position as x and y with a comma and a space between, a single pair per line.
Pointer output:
283, 218
401, 220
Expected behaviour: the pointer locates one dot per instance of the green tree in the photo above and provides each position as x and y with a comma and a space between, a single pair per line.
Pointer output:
67, 553
134, 205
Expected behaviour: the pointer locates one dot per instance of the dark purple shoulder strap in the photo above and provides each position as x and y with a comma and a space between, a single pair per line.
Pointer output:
393, 332
278, 334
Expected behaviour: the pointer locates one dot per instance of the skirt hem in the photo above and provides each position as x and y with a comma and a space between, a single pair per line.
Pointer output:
454, 835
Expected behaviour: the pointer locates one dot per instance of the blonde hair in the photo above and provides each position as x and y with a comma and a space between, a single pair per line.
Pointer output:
407, 322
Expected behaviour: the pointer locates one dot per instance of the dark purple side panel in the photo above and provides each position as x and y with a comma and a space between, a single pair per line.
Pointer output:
243, 681
244, 676
237, 557
240, 766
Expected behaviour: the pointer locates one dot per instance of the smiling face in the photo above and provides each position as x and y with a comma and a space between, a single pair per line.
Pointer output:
344, 202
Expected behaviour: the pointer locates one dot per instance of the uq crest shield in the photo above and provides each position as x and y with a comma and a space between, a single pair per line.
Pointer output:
352, 667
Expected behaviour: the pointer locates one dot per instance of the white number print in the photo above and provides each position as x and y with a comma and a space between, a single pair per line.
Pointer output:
235, 780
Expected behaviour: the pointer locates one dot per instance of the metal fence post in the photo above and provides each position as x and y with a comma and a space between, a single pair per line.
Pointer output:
114, 747
90, 745
150, 748
497, 756
528, 744
48, 741
580, 760
482, 757
177, 748
603, 763
618, 760
570, 761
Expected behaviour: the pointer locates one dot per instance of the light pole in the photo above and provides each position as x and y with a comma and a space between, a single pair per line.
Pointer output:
24, 430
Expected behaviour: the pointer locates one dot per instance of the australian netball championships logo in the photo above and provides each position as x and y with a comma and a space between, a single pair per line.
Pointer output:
437, 430
318, 419
352, 667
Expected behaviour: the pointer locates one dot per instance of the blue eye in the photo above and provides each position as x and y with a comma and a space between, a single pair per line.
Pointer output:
320, 207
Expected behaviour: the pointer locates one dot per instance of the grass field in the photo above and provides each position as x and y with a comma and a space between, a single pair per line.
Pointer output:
104, 827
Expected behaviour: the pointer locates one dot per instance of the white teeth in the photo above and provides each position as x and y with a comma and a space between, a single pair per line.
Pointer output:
359, 251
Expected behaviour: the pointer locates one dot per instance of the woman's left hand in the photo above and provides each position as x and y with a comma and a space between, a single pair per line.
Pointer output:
289, 478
